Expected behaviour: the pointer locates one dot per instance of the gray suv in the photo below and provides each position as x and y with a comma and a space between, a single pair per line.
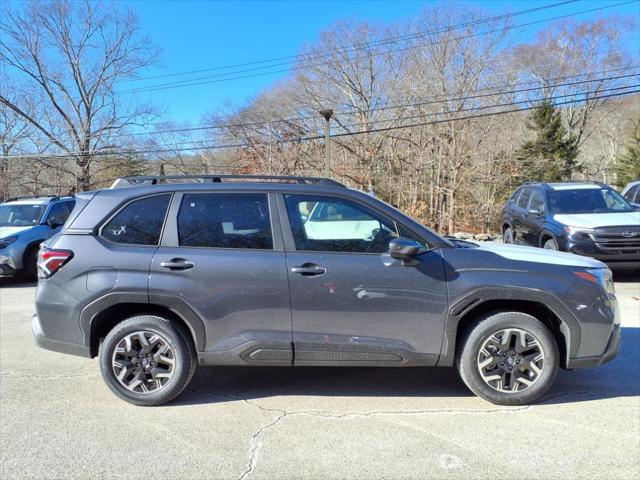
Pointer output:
25, 222
171, 272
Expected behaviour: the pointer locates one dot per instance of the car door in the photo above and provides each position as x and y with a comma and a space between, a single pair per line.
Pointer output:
351, 303
533, 222
222, 258
519, 219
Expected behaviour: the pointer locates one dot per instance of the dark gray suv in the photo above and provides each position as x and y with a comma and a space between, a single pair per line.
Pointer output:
168, 273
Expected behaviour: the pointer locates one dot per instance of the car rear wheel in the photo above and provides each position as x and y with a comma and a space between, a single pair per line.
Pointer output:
507, 237
508, 358
147, 360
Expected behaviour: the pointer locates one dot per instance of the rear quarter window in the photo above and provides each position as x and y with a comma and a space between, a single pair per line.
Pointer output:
139, 222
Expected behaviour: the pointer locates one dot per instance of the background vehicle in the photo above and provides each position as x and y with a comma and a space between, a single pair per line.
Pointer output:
24, 224
221, 272
586, 218
632, 193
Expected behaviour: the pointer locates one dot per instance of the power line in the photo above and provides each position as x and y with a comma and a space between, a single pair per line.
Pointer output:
196, 82
384, 41
484, 107
316, 137
423, 101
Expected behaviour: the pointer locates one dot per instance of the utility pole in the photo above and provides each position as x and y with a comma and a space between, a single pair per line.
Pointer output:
327, 113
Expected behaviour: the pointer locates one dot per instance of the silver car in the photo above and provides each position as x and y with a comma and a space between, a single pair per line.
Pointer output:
24, 224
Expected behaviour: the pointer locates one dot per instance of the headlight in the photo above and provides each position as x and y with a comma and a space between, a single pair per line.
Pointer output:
573, 230
7, 241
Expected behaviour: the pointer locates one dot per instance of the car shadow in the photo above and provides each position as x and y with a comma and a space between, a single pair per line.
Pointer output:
618, 378
15, 283
626, 276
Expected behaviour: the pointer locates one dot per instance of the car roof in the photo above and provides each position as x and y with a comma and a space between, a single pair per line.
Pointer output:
46, 200
575, 186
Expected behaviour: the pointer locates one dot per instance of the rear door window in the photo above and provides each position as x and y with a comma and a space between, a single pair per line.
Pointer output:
225, 220
537, 201
138, 223
523, 200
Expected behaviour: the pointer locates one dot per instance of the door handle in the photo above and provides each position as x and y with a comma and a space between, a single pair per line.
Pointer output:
177, 264
309, 270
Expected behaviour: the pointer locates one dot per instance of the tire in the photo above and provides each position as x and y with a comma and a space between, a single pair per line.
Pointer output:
507, 236
29, 272
550, 244
166, 364
508, 390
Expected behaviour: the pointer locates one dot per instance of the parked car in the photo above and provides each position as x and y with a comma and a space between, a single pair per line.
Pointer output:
585, 218
632, 193
25, 223
163, 275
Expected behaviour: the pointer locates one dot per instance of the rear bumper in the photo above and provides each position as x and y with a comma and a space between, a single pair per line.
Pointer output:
611, 350
43, 341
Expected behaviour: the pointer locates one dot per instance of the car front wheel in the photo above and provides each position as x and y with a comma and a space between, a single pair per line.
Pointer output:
508, 235
508, 358
147, 360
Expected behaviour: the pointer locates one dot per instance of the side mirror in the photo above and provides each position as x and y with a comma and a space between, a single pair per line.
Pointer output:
405, 249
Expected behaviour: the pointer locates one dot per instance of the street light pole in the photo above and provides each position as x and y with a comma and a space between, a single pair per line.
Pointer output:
327, 114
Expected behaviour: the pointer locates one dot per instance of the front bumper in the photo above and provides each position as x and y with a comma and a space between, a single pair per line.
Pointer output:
7, 265
614, 260
43, 341
611, 350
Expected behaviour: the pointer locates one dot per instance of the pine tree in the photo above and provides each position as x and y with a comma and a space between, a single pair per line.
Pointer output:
627, 164
551, 157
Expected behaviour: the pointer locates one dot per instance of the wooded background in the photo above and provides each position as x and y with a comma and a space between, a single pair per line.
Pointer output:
442, 115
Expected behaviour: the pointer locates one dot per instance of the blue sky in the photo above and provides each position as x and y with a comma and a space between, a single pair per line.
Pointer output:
204, 34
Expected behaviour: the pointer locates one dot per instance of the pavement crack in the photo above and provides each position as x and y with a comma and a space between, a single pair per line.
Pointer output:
256, 444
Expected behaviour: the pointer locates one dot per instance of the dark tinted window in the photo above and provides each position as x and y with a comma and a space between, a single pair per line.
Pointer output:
537, 200
587, 200
330, 224
139, 223
631, 194
523, 200
514, 197
225, 220
59, 213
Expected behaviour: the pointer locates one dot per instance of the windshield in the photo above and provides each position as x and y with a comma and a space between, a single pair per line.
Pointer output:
587, 200
21, 215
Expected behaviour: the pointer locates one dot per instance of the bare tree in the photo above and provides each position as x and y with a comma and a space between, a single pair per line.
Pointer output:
68, 57
573, 52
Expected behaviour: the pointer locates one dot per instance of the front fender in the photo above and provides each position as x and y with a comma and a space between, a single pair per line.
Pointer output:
474, 299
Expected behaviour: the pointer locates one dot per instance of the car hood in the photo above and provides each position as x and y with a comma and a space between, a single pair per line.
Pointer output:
594, 220
540, 255
11, 231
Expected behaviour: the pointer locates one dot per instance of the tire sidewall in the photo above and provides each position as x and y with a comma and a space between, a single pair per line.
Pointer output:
185, 361
467, 361
504, 235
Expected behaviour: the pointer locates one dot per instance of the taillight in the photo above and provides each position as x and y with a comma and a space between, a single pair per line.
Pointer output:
51, 260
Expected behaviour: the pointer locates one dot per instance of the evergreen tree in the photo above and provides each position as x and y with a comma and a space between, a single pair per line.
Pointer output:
551, 156
627, 164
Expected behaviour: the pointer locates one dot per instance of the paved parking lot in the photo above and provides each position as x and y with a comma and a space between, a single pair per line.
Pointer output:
58, 419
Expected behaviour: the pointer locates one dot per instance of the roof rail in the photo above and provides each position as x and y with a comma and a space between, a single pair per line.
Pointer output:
50, 197
156, 179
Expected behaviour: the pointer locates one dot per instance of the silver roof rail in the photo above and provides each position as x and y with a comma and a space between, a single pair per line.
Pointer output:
158, 179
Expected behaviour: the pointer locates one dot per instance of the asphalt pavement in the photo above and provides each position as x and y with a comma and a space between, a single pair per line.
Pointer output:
59, 420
